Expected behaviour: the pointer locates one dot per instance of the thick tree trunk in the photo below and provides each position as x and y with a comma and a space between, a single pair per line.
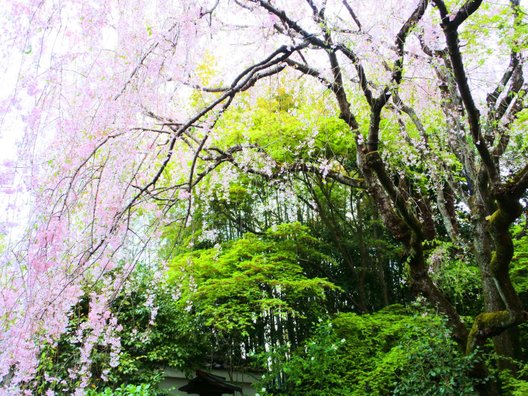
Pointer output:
506, 344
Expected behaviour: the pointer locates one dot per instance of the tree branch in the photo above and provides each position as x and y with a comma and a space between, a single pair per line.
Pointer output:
352, 14
451, 35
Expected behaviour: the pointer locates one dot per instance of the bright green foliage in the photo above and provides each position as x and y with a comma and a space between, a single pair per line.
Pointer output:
433, 363
516, 385
460, 281
288, 130
232, 284
456, 277
315, 369
124, 390
388, 352
519, 264
519, 134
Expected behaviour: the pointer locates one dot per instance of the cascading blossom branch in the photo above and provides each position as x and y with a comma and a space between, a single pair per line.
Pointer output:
95, 85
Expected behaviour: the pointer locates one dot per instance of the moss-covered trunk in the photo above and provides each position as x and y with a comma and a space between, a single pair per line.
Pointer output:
505, 344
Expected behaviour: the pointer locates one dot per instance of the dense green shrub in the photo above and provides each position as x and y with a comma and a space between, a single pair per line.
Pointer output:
244, 287
388, 352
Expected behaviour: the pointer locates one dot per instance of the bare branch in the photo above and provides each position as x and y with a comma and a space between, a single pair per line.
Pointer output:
352, 14
363, 81
402, 37
513, 73
465, 11
310, 71
310, 37
378, 103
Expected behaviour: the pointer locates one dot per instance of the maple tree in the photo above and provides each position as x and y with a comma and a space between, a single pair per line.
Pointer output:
129, 109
